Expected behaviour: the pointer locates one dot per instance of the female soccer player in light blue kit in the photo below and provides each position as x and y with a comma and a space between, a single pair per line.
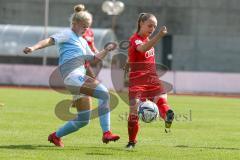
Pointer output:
73, 52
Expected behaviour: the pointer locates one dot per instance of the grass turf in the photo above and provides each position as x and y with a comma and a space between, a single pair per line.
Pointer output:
204, 128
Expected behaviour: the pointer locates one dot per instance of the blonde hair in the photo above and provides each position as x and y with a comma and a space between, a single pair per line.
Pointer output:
80, 14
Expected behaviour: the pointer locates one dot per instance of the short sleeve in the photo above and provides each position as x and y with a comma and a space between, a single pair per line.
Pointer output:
61, 37
135, 42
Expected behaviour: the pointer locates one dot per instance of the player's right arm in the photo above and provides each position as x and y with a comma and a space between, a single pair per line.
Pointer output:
41, 44
148, 45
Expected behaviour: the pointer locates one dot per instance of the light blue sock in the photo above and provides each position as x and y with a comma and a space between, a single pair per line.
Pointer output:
74, 125
103, 96
104, 115
82, 119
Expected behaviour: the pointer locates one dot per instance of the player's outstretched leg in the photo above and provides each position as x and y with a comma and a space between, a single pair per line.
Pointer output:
98, 91
101, 92
164, 110
82, 119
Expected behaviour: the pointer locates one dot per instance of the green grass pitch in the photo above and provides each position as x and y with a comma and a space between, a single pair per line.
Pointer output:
205, 128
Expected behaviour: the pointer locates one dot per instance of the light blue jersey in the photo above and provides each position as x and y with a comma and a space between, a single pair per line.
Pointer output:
73, 51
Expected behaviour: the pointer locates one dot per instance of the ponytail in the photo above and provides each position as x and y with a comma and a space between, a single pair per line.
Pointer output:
142, 18
139, 20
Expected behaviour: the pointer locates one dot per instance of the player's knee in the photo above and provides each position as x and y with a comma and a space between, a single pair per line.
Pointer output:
102, 92
133, 110
83, 118
82, 104
85, 123
161, 100
106, 96
132, 119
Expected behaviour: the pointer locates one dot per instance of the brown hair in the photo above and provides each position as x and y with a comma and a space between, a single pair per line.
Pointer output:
142, 18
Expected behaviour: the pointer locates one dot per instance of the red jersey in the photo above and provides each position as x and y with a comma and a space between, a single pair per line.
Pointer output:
140, 63
89, 37
134, 55
143, 79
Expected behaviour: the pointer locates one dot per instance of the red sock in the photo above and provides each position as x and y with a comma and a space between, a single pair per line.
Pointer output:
133, 127
163, 107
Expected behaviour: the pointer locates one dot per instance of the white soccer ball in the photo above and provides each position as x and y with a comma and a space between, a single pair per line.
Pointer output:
147, 111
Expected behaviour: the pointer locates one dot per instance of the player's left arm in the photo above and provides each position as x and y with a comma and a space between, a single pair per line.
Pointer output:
152, 42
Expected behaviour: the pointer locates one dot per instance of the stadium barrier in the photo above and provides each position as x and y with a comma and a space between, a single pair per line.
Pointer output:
183, 82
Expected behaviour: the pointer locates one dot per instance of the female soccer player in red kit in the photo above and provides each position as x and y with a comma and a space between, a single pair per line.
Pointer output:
143, 80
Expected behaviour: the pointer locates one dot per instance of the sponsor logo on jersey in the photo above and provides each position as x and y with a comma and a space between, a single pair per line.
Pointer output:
149, 53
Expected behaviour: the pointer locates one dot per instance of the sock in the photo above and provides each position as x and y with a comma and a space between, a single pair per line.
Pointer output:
103, 96
74, 125
163, 107
133, 127
104, 116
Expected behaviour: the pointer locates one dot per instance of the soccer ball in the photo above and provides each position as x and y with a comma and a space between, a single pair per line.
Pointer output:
147, 111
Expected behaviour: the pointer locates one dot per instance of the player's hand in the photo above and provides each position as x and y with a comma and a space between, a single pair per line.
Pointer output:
163, 31
110, 46
28, 50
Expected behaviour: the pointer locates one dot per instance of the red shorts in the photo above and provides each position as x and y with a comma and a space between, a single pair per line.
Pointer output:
144, 84
145, 91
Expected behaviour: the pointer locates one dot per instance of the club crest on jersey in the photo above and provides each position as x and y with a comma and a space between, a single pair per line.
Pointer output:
149, 53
